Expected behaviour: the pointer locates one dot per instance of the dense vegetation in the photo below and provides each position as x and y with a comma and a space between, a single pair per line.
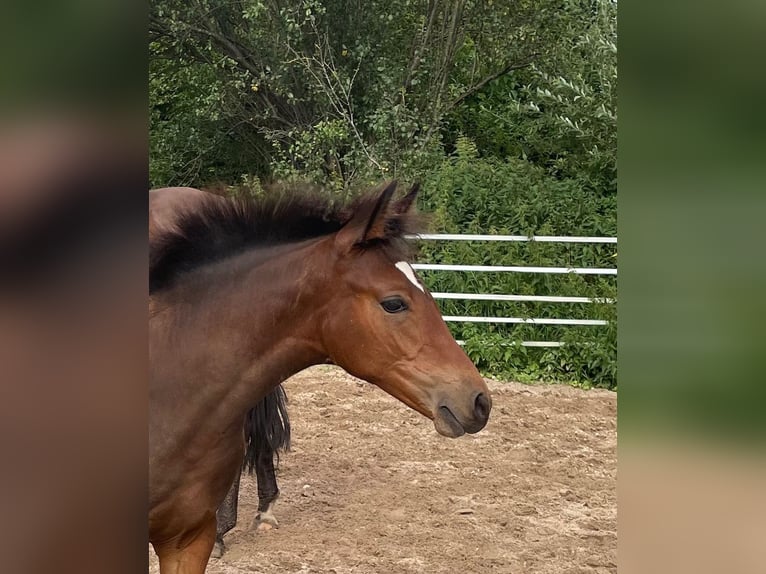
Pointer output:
505, 111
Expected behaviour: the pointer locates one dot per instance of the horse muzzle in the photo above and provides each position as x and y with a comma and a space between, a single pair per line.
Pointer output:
453, 422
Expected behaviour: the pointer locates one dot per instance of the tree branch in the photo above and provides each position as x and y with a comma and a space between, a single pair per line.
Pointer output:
472, 90
491, 78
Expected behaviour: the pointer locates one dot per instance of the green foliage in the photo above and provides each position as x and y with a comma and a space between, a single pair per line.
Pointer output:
194, 135
385, 73
506, 111
587, 359
561, 112
467, 194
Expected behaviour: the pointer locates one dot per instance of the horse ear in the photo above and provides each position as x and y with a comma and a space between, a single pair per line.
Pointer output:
376, 224
404, 204
367, 223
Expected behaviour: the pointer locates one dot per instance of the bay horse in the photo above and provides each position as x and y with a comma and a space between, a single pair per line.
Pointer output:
244, 294
267, 425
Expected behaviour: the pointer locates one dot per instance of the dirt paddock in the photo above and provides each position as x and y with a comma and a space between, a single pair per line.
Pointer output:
369, 486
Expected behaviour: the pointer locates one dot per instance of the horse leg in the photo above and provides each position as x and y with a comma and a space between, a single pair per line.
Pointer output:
226, 517
193, 556
268, 492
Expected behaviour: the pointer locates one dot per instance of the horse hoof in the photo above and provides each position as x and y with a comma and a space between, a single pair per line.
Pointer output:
218, 550
264, 521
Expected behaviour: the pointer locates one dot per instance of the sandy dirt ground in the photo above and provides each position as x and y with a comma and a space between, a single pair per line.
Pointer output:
369, 486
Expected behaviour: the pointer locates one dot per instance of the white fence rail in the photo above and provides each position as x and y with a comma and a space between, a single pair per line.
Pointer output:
529, 343
532, 298
515, 269
541, 321
519, 269
538, 238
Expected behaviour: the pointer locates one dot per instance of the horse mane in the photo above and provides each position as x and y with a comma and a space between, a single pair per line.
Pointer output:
220, 228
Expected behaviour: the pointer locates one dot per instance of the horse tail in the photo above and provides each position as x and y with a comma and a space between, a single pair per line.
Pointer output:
267, 428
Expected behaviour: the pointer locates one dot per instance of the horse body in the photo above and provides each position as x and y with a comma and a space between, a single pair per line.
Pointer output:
267, 426
166, 205
214, 355
231, 317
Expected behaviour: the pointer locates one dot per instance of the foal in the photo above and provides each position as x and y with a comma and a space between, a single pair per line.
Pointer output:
267, 425
244, 295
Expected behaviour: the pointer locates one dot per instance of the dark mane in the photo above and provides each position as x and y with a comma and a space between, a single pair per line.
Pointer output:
223, 227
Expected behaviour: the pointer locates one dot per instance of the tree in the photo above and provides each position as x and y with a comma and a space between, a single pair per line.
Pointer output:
341, 90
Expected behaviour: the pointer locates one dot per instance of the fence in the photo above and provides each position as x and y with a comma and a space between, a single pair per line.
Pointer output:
519, 269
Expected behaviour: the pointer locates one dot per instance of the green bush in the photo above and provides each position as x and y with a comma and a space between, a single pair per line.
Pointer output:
467, 194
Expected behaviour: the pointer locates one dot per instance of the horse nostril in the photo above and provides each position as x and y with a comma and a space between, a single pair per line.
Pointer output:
481, 407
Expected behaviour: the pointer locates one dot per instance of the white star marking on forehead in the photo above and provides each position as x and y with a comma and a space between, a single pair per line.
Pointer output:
405, 268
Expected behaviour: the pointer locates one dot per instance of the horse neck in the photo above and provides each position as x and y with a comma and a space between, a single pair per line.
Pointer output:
251, 322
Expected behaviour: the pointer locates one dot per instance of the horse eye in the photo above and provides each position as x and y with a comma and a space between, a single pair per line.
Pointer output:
394, 305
